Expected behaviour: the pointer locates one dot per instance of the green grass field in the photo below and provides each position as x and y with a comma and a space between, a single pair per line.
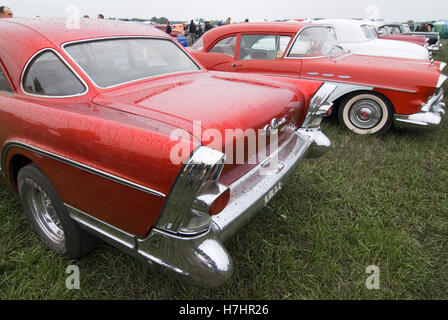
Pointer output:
370, 201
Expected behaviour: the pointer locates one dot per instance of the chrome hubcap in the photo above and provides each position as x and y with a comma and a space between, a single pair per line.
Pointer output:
365, 114
44, 212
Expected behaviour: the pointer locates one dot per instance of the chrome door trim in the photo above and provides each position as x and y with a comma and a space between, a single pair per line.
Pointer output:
75, 164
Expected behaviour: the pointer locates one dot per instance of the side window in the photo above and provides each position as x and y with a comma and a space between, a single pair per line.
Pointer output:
314, 42
5, 88
258, 47
282, 45
47, 75
226, 46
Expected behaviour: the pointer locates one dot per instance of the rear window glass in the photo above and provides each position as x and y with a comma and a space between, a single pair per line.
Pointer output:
117, 61
47, 75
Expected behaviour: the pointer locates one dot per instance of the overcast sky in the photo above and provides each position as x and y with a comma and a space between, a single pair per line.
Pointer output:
255, 10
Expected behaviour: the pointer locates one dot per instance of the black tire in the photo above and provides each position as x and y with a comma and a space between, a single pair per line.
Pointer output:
49, 217
366, 113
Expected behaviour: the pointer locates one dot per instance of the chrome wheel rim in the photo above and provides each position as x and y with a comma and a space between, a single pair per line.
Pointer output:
43, 212
366, 114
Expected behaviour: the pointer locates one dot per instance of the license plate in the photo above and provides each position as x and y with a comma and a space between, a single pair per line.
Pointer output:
273, 192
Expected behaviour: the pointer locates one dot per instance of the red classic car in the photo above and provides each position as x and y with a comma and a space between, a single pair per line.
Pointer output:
373, 92
391, 30
420, 40
111, 129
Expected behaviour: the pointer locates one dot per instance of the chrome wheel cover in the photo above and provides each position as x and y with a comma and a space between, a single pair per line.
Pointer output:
43, 211
365, 114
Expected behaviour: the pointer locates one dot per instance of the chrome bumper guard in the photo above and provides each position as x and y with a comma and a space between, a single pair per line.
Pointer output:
429, 117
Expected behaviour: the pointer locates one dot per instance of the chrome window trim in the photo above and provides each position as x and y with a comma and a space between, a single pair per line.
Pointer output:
65, 63
128, 37
75, 164
298, 34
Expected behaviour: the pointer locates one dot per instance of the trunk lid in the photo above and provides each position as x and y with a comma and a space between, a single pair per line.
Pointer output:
222, 110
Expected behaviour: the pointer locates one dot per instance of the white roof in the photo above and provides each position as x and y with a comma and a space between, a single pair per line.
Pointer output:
348, 30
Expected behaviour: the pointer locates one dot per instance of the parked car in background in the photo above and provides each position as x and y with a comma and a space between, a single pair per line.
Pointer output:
372, 92
111, 130
360, 37
175, 33
419, 40
402, 29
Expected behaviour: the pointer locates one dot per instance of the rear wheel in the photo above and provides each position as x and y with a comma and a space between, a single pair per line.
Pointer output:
366, 113
49, 217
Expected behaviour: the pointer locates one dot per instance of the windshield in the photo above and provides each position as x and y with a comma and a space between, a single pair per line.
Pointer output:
116, 61
369, 32
315, 42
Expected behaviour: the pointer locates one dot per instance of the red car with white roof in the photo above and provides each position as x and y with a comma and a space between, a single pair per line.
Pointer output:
372, 92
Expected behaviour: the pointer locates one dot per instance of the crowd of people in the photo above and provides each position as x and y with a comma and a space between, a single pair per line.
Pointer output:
6, 12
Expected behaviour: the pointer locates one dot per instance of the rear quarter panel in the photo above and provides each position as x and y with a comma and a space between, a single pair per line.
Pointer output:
123, 145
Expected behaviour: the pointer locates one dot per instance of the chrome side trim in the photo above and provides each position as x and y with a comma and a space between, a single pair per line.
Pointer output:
103, 230
66, 64
75, 164
128, 37
363, 84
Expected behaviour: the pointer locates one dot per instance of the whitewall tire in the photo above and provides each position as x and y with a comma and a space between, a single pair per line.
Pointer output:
366, 113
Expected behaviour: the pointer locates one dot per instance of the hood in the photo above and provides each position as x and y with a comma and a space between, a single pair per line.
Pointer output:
389, 48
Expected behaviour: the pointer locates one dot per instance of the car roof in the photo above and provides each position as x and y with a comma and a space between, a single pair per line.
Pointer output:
23, 37
218, 32
348, 22
348, 30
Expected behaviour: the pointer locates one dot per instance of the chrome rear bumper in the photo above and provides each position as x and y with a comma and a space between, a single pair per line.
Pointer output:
429, 117
203, 259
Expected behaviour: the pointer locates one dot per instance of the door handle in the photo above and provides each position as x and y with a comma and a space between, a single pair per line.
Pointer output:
236, 65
